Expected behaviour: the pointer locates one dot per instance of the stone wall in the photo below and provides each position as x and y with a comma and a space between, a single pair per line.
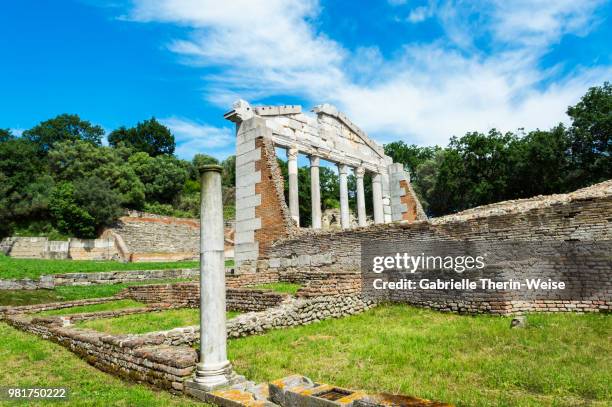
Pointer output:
133, 357
138, 237
291, 313
108, 277
150, 237
564, 237
73, 248
188, 295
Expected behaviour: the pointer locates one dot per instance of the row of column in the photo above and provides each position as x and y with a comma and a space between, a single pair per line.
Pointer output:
315, 190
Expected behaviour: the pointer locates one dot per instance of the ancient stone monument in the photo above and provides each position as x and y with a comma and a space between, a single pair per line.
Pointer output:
261, 213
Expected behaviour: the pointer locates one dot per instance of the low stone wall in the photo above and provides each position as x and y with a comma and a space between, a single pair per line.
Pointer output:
188, 295
26, 309
133, 357
292, 313
114, 277
108, 277
43, 248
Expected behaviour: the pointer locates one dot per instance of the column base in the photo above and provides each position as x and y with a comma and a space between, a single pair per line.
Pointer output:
207, 380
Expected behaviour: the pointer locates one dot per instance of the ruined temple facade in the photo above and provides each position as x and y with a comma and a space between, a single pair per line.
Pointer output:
262, 215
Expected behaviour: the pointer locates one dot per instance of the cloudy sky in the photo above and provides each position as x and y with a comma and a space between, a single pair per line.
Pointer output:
419, 71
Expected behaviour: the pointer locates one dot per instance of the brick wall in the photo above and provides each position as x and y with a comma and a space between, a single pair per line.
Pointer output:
272, 211
565, 238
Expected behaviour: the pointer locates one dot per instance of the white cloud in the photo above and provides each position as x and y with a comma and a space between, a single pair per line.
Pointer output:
425, 93
419, 14
193, 137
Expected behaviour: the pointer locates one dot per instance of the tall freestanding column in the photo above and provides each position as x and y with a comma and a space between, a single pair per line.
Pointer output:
361, 209
214, 368
344, 206
294, 203
377, 197
315, 192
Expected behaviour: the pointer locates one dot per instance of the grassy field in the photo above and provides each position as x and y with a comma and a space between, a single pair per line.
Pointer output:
560, 360
105, 306
149, 322
70, 293
288, 288
11, 268
28, 361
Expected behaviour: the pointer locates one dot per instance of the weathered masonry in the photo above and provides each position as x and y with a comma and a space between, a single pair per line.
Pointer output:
261, 213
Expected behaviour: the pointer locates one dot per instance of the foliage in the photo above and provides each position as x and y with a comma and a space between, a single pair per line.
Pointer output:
163, 176
63, 128
82, 208
590, 137
149, 136
479, 169
5, 135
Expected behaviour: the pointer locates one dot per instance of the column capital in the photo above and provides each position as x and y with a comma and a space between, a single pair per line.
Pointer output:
292, 153
314, 161
342, 168
359, 172
376, 177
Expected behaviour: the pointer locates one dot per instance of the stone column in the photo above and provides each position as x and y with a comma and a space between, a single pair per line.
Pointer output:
294, 202
315, 192
361, 208
214, 369
344, 206
377, 197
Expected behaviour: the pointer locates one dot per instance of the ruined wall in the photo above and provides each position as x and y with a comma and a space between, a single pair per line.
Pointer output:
150, 237
73, 248
188, 295
564, 237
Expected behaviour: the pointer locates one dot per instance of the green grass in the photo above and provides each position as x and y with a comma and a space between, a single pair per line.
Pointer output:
28, 361
11, 268
149, 322
105, 306
560, 360
70, 293
288, 288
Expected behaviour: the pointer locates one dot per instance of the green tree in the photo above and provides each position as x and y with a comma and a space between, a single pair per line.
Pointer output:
411, 156
149, 136
163, 177
63, 128
5, 135
82, 208
74, 160
591, 137
229, 171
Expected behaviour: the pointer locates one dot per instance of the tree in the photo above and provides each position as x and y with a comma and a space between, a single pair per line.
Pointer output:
591, 137
149, 136
63, 128
73, 160
82, 208
411, 156
163, 177
6, 135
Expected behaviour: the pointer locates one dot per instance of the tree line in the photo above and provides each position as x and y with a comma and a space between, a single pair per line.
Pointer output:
479, 168
58, 179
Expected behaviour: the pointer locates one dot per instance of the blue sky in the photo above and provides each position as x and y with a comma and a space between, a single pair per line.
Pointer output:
419, 71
